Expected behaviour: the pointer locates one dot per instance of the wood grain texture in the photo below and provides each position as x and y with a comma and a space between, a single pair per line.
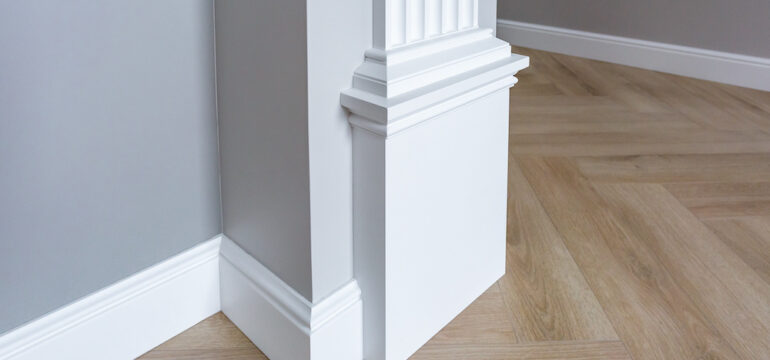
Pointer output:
749, 238
596, 350
548, 297
638, 225
742, 167
653, 316
486, 321
730, 295
215, 338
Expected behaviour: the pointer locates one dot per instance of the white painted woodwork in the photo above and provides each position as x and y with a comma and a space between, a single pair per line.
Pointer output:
404, 22
279, 320
129, 317
141, 312
430, 137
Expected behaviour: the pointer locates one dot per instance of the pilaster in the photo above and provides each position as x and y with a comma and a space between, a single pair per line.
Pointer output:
429, 110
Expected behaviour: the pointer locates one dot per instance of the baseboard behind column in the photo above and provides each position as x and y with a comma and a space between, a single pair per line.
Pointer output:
280, 321
728, 68
128, 318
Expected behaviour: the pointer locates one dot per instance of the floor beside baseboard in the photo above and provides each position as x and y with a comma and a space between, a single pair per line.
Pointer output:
638, 225
213, 338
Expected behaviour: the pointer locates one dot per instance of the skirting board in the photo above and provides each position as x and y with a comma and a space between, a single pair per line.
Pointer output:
127, 318
280, 321
728, 68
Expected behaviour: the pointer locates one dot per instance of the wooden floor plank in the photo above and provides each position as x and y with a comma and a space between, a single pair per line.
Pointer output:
548, 297
619, 122
215, 338
750, 167
594, 73
723, 199
543, 105
649, 141
678, 93
730, 206
748, 237
734, 299
719, 189
601, 350
653, 316
486, 321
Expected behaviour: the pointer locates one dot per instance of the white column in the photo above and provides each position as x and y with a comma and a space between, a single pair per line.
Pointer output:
429, 109
403, 22
286, 271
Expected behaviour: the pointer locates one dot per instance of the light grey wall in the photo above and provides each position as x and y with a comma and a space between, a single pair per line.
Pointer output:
263, 125
108, 149
736, 26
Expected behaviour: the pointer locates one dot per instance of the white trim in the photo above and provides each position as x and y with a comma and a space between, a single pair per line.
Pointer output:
729, 68
280, 321
127, 318
396, 89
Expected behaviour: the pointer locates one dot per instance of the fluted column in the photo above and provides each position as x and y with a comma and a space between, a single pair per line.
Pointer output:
405, 22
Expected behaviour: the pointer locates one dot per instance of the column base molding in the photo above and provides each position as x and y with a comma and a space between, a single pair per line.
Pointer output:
396, 89
280, 321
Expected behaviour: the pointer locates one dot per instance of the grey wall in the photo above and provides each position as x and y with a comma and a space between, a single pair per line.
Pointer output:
108, 149
263, 126
736, 26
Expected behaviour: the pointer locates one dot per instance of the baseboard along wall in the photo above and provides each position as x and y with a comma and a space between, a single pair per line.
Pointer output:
131, 317
128, 318
734, 69
280, 321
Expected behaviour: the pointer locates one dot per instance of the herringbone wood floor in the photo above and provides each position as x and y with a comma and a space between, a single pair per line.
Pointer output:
638, 225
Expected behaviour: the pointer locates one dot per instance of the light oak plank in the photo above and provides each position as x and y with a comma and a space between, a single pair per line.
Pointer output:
753, 167
215, 338
602, 350
719, 189
749, 238
486, 321
733, 206
734, 299
620, 122
653, 316
548, 297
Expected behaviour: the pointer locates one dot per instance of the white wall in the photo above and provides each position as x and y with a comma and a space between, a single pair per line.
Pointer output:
108, 144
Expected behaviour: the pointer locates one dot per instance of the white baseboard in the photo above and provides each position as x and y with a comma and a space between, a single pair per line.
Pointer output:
127, 318
728, 68
280, 321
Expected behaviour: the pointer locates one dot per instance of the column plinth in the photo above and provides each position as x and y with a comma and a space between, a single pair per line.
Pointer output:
430, 144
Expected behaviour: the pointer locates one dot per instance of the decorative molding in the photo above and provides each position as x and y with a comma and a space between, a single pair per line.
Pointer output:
280, 321
728, 68
396, 89
410, 21
429, 117
127, 318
